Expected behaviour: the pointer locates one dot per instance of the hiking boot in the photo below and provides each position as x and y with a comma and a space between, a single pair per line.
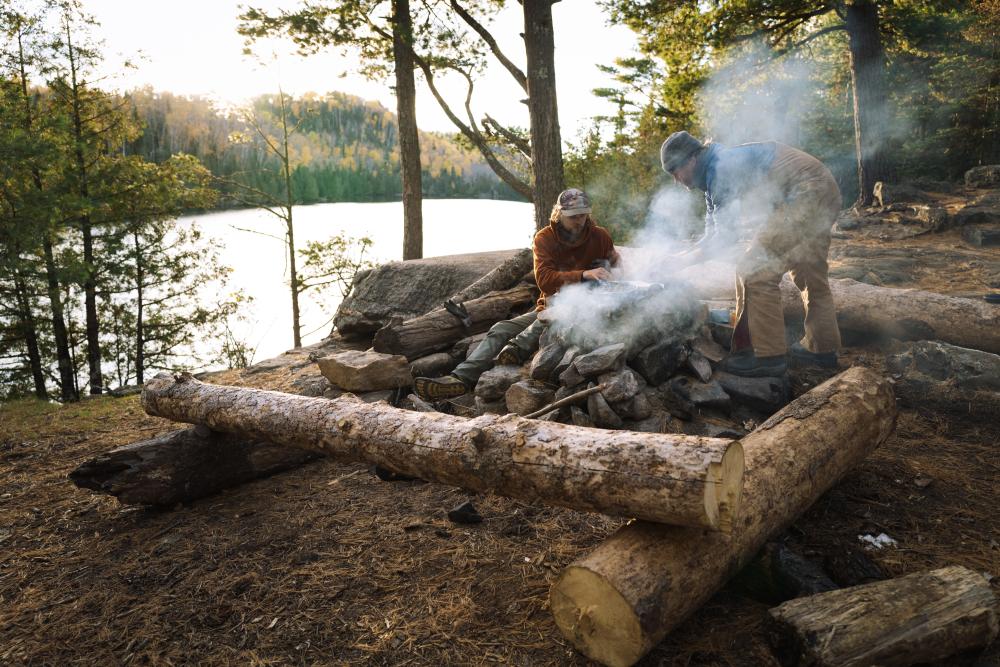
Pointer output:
510, 355
752, 366
800, 356
438, 389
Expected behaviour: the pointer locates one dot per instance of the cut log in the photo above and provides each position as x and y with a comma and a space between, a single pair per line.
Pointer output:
620, 600
906, 314
184, 466
685, 480
439, 329
919, 618
504, 276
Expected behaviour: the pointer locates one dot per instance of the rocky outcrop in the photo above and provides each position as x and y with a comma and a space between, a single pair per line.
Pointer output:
983, 177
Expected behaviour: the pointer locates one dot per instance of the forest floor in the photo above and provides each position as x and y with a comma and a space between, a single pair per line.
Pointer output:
326, 564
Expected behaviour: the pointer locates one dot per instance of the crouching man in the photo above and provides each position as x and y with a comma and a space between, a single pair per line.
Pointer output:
785, 201
565, 252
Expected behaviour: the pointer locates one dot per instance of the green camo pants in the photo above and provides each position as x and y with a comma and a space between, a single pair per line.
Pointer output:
525, 331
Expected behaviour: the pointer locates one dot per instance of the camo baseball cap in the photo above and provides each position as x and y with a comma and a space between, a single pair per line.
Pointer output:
573, 202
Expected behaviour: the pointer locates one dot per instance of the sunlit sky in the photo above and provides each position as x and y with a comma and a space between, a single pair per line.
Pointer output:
191, 47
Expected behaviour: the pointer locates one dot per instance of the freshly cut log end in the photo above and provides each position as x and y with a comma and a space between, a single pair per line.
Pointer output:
725, 487
922, 617
596, 618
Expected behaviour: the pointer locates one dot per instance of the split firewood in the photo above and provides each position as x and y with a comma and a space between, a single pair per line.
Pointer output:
677, 479
906, 314
183, 466
620, 600
920, 618
439, 329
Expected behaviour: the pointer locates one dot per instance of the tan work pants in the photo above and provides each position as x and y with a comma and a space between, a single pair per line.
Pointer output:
795, 239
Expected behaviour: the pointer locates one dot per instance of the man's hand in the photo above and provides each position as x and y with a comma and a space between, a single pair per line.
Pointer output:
599, 273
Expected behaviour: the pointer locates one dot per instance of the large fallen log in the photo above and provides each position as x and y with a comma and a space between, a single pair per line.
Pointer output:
502, 277
620, 600
919, 618
686, 480
183, 466
906, 314
439, 329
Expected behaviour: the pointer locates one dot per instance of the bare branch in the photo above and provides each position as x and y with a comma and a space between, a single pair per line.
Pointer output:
518, 142
514, 70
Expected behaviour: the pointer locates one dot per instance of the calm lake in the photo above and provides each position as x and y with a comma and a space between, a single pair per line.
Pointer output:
251, 242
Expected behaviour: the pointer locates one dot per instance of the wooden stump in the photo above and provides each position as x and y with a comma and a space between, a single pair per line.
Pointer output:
183, 466
685, 480
620, 600
922, 617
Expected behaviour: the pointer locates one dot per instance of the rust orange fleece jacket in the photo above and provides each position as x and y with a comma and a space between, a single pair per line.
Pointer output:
559, 262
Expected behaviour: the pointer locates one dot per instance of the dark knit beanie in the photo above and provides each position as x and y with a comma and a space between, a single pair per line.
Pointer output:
676, 150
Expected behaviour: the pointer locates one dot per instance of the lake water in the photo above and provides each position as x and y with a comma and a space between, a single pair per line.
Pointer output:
252, 246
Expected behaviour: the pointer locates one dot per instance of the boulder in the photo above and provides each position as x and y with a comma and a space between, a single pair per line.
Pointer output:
565, 361
494, 383
635, 408
526, 396
433, 365
703, 395
545, 361
571, 377
356, 371
658, 362
986, 176
411, 288
768, 394
620, 386
698, 365
981, 237
601, 413
977, 214
927, 363
602, 360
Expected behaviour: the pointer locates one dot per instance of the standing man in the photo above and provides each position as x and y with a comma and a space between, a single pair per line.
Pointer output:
786, 201
565, 252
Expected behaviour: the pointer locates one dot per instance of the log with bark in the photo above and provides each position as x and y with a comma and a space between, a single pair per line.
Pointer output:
504, 276
620, 600
685, 480
439, 329
906, 314
919, 618
183, 466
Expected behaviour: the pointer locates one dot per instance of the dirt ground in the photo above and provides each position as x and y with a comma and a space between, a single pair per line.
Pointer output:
328, 565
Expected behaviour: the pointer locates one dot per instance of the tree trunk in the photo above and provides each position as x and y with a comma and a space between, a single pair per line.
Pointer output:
30, 332
620, 600
439, 329
920, 618
67, 377
293, 275
546, 143
679, 479
409, 140
871, 108
183, 466
502, 277
140, 336
906, 314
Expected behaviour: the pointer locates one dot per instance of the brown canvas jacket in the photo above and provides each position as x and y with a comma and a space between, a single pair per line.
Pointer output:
559, 263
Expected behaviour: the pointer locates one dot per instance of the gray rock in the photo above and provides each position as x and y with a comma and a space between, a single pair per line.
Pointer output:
766, 394
976, 215
565, 361
601, 413
526, 396
981, 237
380, 396
571, 377
636, 408
490, 407
658, 422
311, 385
699, 366
433, 365
619, 386
579, 417
983, 177
658, 362
602, 360
701, 394
494, 383
709, 349
410, 288
545, 361
365, 371
674, 403
935, 362
562, 392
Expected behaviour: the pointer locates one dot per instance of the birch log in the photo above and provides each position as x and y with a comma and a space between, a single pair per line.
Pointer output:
620, 600
907, 314
439, 329
686, 480
183, 466
919, 618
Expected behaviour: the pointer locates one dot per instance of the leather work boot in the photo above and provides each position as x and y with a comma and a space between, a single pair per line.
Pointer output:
438, 389
510, 355
752, 366
800, 356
